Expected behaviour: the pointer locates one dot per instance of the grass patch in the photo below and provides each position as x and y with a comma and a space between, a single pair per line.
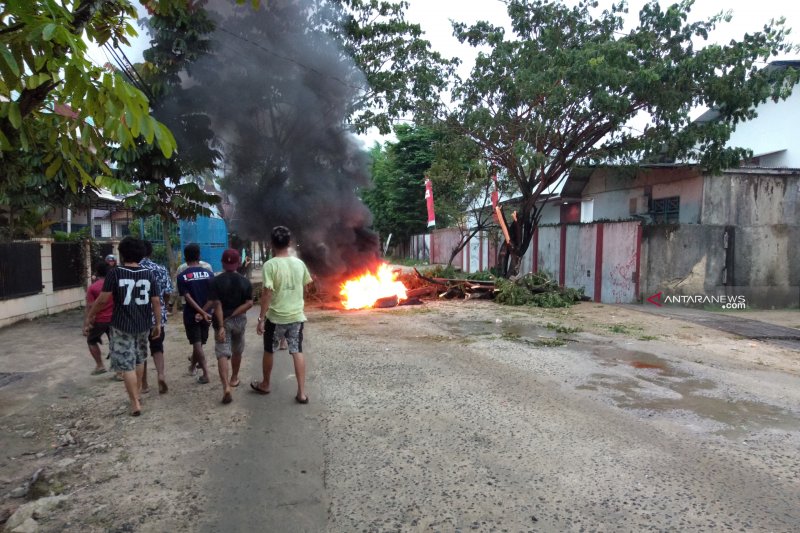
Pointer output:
623, 329
550, 343
539, 343
561, 328
648, 337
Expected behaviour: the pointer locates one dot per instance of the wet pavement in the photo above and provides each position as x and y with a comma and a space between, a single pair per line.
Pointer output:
452, 416
744, 327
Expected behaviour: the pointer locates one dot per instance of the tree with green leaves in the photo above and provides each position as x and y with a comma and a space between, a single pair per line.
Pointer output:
463, 186
179, 36
404, 75
561, 90
398, 172
59, 111
458, 176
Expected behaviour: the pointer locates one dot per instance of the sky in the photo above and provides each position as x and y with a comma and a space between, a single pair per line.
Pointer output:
434, 17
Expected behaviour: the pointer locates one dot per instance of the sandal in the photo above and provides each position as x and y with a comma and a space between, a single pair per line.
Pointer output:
303, 401
202, 380
98, 371
255, 386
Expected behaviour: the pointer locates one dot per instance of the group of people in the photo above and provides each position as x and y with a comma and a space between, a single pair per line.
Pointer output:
128, 304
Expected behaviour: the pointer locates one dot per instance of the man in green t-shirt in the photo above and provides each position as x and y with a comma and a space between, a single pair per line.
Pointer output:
282, 317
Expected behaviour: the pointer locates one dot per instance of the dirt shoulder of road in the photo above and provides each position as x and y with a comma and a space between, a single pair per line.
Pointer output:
789, 318
74, 460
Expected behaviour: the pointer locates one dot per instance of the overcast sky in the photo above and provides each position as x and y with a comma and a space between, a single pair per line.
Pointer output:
434, 16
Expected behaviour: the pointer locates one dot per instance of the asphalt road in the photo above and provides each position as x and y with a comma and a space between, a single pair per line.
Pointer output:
441, 418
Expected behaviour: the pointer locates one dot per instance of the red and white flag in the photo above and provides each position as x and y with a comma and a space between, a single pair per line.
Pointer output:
429, 202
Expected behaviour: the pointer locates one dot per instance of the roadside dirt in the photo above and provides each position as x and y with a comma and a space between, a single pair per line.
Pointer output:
119, 473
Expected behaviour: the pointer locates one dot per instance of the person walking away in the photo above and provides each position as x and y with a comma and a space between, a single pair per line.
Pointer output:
157, 344
193, 285
282, 304
232, 296
102, 322
135, 291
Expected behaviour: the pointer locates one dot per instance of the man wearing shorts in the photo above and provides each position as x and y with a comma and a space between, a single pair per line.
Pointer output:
157, 344
102, 322
193, 285
232, 295
282, 317
135, 293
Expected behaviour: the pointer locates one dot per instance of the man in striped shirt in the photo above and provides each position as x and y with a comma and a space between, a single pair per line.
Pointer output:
135, 291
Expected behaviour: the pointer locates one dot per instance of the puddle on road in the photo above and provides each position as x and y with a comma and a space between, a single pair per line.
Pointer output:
739, 417
521, 330
612, 356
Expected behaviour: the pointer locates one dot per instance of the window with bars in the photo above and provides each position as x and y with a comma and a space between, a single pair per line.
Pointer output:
666, 210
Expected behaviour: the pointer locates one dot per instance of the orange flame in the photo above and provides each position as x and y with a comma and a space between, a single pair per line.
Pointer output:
364, 291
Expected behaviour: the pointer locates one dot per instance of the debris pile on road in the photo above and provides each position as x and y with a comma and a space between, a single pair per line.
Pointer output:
535, 289
538, 290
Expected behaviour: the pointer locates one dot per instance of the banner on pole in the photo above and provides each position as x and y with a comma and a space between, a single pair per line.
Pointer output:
429, 202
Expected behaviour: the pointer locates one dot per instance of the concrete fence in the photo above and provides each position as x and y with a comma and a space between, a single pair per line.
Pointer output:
48, 300
627, 262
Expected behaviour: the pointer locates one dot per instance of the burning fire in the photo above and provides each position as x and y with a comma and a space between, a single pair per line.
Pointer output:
364, 291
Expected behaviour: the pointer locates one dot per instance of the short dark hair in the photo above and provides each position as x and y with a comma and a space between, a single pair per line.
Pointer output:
281, 236
131, 249
191, 253
148, 248
101, 269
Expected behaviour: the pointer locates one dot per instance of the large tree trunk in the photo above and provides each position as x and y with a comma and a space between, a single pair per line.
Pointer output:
521, 233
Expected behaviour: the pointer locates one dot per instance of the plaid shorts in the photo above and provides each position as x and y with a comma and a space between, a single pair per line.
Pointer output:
127, 350
293, 333
234, 337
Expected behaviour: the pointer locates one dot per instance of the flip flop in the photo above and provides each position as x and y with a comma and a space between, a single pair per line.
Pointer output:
227, 398
162, 386
238, 382
136, 413
202, 380
98, 371
255, 387
303, 401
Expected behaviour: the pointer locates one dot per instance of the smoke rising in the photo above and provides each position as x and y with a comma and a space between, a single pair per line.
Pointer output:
278, 90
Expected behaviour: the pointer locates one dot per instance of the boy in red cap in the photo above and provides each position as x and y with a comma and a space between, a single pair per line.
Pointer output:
232, 295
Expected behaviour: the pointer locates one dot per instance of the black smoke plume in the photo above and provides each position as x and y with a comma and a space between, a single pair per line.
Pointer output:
278, 90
